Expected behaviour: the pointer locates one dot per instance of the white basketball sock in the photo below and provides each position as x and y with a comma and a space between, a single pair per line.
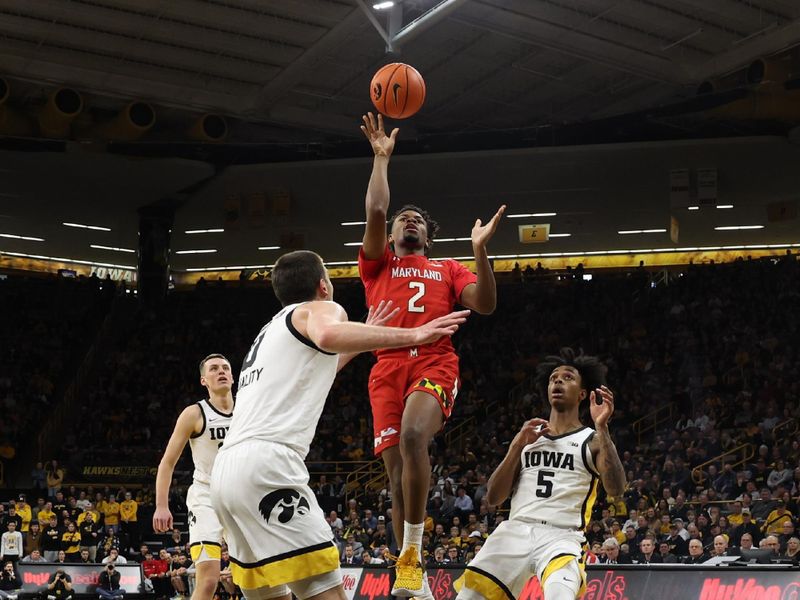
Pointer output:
412, 536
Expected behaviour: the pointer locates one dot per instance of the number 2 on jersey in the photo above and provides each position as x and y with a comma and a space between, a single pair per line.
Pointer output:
412, 302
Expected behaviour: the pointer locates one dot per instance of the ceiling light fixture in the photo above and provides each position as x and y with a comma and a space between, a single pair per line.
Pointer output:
233, 268
348, 223
721, 206
112, 248
204, 231
21, 237
207, 251
82, 226
526, 215
737, 227
353, 243
694, 208
635, 231
557, 235
459, 239
383, 5
269, 247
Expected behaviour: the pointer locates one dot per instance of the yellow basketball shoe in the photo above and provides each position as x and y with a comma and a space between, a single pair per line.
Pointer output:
409, 574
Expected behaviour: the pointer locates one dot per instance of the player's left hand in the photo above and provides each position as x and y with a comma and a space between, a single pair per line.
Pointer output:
481, 234
382, 314
601, 406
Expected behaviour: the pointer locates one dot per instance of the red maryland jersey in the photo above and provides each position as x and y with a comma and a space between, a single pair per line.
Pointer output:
422, 288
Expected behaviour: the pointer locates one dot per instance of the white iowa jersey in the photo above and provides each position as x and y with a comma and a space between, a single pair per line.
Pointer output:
206, 444
283, 385
558, 481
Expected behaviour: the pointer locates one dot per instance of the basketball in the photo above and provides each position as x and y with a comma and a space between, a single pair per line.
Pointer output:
397, 90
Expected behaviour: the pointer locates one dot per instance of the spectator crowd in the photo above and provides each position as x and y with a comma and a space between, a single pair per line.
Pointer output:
714, 347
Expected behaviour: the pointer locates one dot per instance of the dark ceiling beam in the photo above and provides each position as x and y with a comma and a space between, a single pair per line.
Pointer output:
425, 21
231, 15
765, 43
743, 13
137, 26
316, 12
595, 51
274, 89
128, 49
104, 76
634, 29
370, 14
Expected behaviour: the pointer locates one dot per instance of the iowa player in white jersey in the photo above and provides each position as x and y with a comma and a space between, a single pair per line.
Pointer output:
551, 470
204, 426
277, 536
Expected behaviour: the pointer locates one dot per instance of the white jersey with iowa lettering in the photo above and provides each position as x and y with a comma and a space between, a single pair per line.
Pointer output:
208, 441
558, 481
283, 385
276, 531
205, 530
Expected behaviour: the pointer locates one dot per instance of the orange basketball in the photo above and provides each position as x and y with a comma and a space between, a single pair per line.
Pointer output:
397, 90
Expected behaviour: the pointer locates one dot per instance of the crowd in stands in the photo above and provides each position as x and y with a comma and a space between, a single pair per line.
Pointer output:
716, 343
714, 346
54, 320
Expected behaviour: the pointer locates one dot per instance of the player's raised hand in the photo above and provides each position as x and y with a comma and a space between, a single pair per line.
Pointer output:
481, 234
162, 520
601, 406
382, 314
531, 431
382, 144
446, 325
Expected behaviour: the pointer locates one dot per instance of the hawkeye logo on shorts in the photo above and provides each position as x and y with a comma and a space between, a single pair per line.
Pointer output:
192, 519
288, 501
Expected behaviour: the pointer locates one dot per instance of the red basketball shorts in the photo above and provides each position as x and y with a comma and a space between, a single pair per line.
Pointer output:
392, 380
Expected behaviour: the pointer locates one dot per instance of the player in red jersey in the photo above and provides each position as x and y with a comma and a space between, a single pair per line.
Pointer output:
412, 390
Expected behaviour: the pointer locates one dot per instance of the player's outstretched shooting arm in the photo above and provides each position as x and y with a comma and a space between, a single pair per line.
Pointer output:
377, 200
604, 453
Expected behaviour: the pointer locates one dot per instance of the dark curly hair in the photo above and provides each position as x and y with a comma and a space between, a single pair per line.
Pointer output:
431, 225
592, 371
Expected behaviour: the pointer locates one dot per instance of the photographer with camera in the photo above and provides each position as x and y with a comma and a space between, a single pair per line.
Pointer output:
108, 583
60, 586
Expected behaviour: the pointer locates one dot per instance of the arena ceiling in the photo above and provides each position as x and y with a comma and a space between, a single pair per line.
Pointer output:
291, 79
299, 70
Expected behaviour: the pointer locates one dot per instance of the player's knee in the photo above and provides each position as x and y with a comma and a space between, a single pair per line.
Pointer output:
414, 439
468, 594
205, 588
563, 584
559, 591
